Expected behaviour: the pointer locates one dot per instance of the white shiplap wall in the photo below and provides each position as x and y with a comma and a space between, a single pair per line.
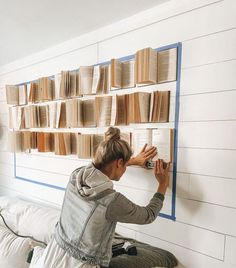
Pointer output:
204, 234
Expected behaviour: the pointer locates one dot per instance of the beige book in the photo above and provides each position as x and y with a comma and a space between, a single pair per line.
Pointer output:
103, 106
164, 106
96, 79
65, 84
57, 79
33, 140
34, 92
84, 146
26, 141
61, 115
14, 141
116, 74
46, 87
45, 142
146, 66
121, 110
12, 94
85, 79
128, 74
52, 114
33, 116
73, 90
43, 116
77, 84
16, 95
72, 113
80, 115
16, 117
23, 96
161, 138
89, 119
74, 137
138, 107
122, 74
62, 143
167, 65
113, 110
96, 139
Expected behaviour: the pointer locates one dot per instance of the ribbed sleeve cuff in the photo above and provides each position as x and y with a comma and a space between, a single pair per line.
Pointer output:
160, 196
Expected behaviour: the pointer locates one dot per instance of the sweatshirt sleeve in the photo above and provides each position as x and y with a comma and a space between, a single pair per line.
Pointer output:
121, 209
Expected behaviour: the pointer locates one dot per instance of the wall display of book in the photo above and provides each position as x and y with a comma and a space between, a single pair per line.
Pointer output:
68, 113
85, 145
88, 97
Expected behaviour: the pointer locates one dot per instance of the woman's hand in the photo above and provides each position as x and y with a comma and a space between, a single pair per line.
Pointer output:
161, 172
142, 158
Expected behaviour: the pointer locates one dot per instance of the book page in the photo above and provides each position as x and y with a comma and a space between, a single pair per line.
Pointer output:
72, 84
23, 95
85, 79
144, 105
140, 138
89, 119
74, 143
116, 74
43, 116
96, 79
121, 112
162, 138
12, 94
62, 142
57, 79
52, 114
113, 110
14, 141
26, 141
84, 146
164, 106
146, 66
167, 65
103, 110
72, 113
128, 74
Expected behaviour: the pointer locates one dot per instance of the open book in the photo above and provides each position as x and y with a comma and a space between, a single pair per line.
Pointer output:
167, 65
146, 66
122, 74
103, 106
62, 142
162, 138
138, 105
159, 106
45, 142
16, 95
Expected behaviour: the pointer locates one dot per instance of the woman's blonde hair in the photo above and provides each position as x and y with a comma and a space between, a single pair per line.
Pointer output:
112, 148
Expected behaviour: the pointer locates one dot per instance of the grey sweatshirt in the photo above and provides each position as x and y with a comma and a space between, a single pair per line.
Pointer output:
90, 211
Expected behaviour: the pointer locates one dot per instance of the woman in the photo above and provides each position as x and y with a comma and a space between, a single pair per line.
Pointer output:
91, 208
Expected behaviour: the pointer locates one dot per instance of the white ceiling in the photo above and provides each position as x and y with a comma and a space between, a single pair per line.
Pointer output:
28, 26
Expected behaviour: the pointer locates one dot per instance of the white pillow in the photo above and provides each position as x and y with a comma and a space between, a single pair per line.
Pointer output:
13, 250
38, 222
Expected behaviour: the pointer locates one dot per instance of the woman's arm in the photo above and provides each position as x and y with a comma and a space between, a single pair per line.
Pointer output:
122, 209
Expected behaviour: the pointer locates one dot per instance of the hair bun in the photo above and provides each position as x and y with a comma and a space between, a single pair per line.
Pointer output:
112, 134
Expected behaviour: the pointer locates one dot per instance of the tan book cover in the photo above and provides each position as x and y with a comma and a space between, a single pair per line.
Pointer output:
84, 146
14, 141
